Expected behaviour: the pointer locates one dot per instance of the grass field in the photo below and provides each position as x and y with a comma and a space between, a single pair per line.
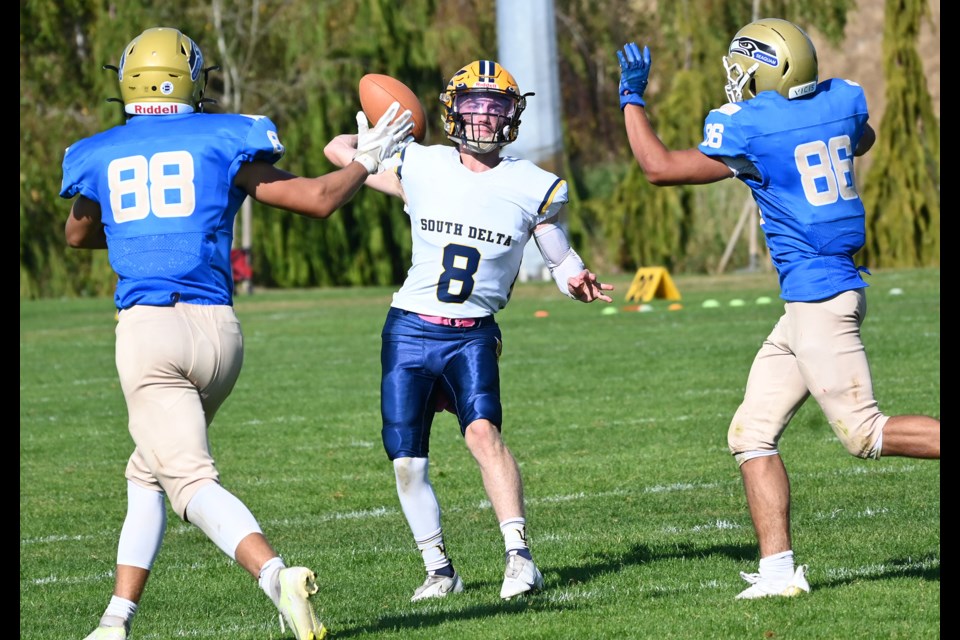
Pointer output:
635, 508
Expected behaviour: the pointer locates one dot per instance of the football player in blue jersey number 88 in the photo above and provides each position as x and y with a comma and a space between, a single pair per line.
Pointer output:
792, 140
472, 211
160, 193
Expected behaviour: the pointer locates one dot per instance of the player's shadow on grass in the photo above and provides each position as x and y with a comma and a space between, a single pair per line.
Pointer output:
926, 568
640, 554
596, 565
421, 620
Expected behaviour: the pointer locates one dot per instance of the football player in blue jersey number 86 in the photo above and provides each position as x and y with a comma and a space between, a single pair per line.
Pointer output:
471, 211
160, 193
792, 139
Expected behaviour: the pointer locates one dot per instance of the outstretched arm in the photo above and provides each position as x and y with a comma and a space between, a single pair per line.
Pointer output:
660, 165
320, 197
312, 197
340, 152
572, 278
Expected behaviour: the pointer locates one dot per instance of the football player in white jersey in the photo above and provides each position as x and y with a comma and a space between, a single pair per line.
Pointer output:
160, 193
471, 211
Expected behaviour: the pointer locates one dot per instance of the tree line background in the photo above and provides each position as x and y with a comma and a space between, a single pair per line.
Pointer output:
298, 61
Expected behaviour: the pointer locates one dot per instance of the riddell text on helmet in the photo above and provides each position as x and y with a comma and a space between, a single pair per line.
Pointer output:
158, 109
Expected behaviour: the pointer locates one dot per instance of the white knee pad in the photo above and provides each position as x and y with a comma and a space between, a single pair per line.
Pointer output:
750, 455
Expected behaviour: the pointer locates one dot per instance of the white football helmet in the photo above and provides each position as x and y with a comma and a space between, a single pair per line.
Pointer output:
770, 55
160, 73
481, 107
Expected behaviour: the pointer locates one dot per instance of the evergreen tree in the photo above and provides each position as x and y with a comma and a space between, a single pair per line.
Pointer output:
902, 192
299, 62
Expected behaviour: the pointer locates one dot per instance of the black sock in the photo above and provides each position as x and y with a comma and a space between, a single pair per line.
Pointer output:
523, 553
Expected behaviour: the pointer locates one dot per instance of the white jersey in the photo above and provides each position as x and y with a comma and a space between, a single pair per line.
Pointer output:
469, 229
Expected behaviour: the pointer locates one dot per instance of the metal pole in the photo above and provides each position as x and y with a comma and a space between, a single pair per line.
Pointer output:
527, 42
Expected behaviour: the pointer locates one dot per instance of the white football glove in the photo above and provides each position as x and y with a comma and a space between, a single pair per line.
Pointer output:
377, 144
393, 161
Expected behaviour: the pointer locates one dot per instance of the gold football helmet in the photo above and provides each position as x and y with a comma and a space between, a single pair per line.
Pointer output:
160, 73
481, 107
770, 55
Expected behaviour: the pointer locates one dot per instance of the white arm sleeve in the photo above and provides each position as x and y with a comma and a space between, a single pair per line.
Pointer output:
559, 256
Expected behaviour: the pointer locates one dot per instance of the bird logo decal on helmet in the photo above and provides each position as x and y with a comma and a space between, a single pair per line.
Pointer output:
770, 55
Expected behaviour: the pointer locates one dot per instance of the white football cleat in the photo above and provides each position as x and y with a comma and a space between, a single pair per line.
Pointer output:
436, 586
297, 584
520, 577
764, 588
108, 633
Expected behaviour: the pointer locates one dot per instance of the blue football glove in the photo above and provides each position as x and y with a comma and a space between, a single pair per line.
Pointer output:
634, 70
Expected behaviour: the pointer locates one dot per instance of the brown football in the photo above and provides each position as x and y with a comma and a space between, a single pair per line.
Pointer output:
379, 91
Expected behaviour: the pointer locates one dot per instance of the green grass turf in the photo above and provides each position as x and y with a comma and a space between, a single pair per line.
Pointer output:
635, 508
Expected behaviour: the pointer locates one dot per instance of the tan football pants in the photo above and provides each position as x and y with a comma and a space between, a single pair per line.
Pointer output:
814, 349
177, 365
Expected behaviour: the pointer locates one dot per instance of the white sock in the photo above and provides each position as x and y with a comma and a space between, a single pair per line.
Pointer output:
269, 579
777, 567
514, 534
433, 550
119, 613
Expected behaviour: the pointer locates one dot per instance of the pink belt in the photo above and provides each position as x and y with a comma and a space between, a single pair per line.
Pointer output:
450, 322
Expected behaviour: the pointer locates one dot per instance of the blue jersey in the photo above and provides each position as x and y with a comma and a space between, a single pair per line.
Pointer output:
801, 152
168, 202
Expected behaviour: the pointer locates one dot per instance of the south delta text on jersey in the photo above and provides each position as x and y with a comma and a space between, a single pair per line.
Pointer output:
457, 229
